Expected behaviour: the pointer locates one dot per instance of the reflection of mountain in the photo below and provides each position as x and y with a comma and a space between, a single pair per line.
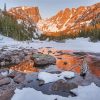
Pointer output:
66, 21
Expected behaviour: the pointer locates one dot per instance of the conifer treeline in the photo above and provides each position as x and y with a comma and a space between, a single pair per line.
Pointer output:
10, 27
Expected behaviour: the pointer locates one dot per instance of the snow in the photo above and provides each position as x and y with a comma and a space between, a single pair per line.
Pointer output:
19, 21
65, 24
48, 77
4, 73
86, 22
78, 44
23, 8
53, 28
91, 92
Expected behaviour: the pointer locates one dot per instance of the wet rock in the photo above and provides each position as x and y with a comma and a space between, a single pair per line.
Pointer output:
19, 78
5, 81
15, 59
80, 53
7, 95
8, 58
55, 72
41, 82
1, 77
62, 85
7, 91
43, 59
13, 74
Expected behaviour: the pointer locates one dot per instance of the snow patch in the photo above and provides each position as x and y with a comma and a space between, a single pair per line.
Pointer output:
4, 73
48, 77
65, 25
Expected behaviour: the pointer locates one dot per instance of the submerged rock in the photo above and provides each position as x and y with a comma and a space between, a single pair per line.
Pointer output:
43, 59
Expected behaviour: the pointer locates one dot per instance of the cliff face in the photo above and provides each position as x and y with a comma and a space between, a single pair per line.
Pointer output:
26, 13
70, 21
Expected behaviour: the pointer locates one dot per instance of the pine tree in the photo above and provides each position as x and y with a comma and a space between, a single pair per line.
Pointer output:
5, 8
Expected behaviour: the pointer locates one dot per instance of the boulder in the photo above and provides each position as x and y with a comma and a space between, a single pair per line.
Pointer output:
63, 86
80, 53
7, 95
5, 81
43, 59
19, 78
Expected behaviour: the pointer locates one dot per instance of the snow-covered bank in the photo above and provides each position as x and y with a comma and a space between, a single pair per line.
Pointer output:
79, 44
90, 92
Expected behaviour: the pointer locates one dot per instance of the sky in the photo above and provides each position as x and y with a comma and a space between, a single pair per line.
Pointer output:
48, 8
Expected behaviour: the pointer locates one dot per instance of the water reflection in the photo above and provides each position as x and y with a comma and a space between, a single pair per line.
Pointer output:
25, 66
63, 61
68, 62
94, 66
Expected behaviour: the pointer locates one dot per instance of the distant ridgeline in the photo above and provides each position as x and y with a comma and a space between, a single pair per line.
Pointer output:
24, 23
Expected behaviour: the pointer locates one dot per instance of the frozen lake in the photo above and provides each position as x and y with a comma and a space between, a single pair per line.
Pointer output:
78, 44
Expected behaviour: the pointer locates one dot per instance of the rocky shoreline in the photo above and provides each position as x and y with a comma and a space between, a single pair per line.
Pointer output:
14, 79
14, 72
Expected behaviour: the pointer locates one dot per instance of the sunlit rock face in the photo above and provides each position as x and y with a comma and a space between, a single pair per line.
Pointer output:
65, 22
70, 21
26, 13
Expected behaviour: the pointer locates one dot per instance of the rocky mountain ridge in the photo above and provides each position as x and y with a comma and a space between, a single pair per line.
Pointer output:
67, 21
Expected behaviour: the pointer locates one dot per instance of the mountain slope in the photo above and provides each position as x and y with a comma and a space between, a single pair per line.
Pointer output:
70, 21
65, 22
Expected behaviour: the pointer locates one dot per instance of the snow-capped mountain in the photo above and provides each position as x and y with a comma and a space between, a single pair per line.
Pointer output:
67, 21
70, 20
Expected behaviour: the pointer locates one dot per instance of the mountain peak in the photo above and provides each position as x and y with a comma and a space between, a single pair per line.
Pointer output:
23, 12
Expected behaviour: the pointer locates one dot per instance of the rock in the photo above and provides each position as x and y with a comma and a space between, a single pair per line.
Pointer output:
80, 53
41, 82
63, 86
5, 81
13, 74
43, 59
82, 81
19, 78
1, 77
2, 63
7, 95
15, 59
